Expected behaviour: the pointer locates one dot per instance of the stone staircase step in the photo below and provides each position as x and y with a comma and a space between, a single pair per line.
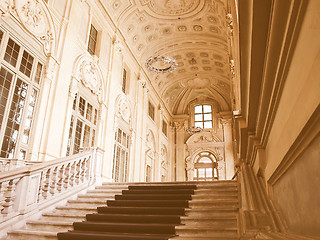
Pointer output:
206, 231
88, 202
31, 234
54, 226
77, 209
53, 216
111, 187
202, 238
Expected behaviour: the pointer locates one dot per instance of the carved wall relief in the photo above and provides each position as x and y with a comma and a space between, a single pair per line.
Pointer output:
87, 71
35, 17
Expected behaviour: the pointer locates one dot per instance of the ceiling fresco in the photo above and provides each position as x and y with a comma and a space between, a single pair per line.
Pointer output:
194, 32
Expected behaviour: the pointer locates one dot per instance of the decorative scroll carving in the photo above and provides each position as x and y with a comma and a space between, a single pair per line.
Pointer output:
34, 17
89, 76
118, 47
87, 71
123, 108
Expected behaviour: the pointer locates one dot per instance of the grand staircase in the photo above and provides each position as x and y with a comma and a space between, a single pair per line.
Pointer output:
141, 211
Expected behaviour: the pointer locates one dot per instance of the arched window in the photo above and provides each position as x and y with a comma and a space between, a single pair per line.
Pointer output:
206, 167
203, 116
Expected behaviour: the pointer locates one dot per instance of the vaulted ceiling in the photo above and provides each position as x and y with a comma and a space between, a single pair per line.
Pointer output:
194, 32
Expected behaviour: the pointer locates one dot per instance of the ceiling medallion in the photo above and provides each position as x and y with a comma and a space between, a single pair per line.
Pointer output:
193, 130
170, 64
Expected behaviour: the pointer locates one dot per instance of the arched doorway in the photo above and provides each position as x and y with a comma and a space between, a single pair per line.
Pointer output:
206, 167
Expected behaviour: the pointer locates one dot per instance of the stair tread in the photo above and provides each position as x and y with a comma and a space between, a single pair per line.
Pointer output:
34, 232
44, 222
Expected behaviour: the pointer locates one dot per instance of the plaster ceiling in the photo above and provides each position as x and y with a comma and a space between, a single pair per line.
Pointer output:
195, 32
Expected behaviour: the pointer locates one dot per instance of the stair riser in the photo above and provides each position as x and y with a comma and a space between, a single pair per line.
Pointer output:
205, 233
213, 205
212, 222
211, 214
20, 236
77, 211
151, 197
64, 219
51, 228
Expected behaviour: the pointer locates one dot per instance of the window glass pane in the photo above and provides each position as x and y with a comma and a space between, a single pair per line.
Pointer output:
12, 52
15, 116
207, 116
215, 172
26, 63
209, 172
205, 160
1, 35
206, 108
164, 127
93, 137
5, 83
89, 112
208, 124
74, 102
119, 135
38, 73
95, 116
198, 117
77, 137
151, 111
198, 124
82, 106
124, 80
70, 135
29, 117
92, 40
86, 136
198, 109
201, 172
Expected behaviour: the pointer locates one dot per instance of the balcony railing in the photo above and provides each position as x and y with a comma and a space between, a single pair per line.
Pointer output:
28, 187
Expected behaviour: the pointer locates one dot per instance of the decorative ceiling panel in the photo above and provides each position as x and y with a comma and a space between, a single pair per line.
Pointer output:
195, 32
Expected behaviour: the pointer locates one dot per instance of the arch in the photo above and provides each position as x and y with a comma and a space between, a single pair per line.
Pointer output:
206, 170
36, 18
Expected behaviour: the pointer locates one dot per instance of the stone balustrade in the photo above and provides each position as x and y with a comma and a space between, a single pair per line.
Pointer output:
31, 187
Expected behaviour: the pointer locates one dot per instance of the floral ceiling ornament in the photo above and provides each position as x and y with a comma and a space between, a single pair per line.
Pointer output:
169, 61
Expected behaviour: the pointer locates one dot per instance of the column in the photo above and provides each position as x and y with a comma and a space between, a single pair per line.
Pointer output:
228, 147
180, 151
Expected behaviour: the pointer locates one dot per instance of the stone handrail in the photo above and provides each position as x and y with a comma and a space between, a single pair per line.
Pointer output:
29, 188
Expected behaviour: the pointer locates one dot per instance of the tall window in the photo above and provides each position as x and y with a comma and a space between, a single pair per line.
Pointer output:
92, 40
83, 125
151, 110
124, 80
121, 156
203, 116
20, 79
206, 167
164, 127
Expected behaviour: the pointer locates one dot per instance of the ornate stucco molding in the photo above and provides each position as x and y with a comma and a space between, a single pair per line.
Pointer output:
35, 17
87, 71
123, 108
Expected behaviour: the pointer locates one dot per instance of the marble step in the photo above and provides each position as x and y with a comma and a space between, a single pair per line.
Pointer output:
212, 212
111, 187
212, 196
202, 238
76, 209
213, 203
88, 202
31, 235
230, 221
53, 226
65, 216
206, 231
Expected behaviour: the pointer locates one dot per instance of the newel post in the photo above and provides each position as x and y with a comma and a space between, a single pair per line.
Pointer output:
96, 165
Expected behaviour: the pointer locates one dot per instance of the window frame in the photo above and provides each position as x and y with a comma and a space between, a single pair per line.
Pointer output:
91, 38
24, 134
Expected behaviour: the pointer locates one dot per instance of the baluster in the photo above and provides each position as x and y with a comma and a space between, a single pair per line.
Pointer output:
72, 173
53, 184
45, 188
2, 193
42, 177
66, 177
60, 178
9, 197
78, 169
87, 173
82, 173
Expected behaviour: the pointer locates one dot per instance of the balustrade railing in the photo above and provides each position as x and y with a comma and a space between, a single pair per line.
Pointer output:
26, 188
